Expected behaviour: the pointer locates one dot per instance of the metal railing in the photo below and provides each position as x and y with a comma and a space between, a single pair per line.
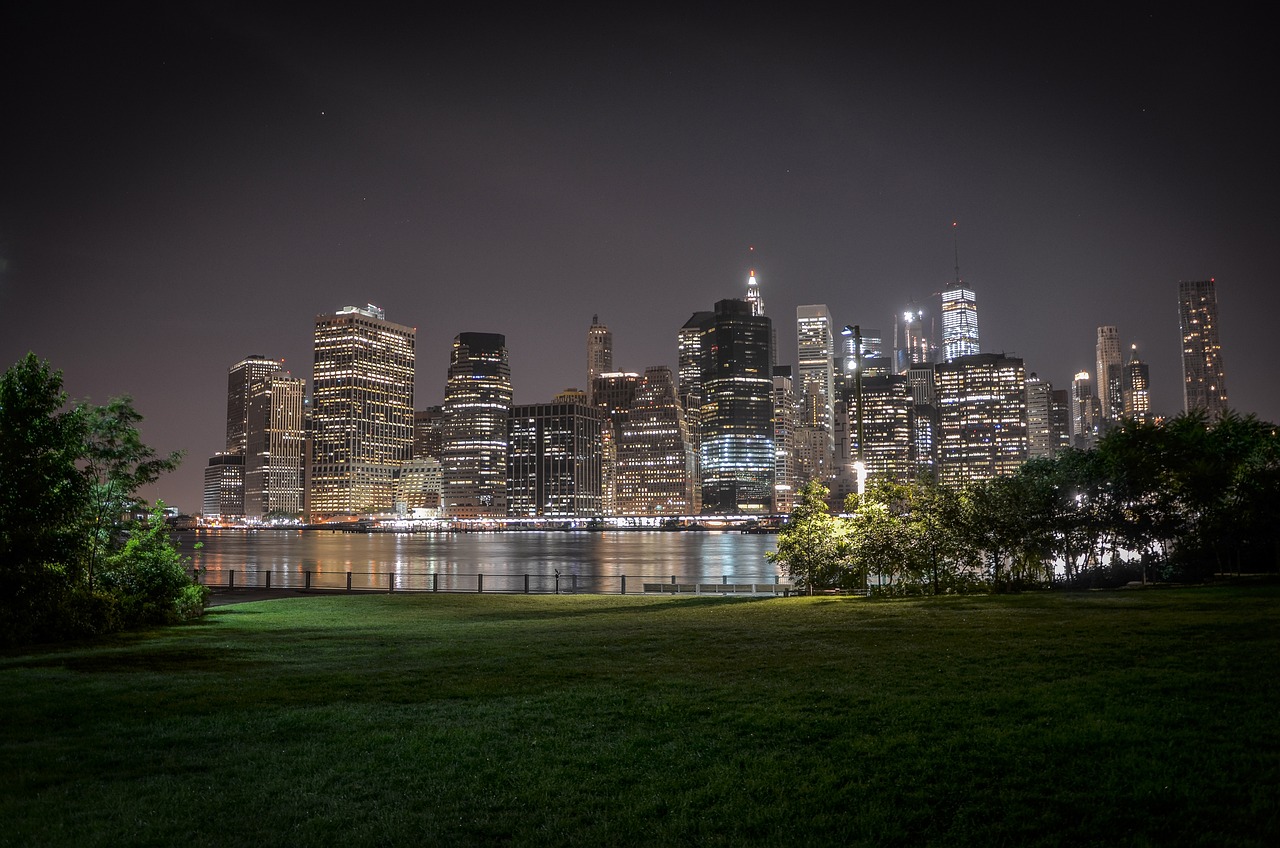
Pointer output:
480, 582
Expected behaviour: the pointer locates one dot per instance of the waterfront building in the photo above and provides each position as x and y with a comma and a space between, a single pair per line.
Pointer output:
656, 470
1136, 391
599, 351
1086, 412
1204, 380
736, 450
362, 411
477, 404
553, 458
419, 482
1110, 379
982, 417
428, 439
224, 486
612, 393
276, 438
785, 415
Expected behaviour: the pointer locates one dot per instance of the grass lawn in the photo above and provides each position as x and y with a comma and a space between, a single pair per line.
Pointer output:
1142, 717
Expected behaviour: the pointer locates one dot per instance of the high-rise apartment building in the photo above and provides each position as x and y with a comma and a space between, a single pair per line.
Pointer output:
1136, 391
1110, 379
275, 447
362, 411
553, 459
982, 417
655, 459
1204, 380
477, 404
599, 352
736, 450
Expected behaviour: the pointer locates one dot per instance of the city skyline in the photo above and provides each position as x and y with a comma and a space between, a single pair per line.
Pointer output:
182, 191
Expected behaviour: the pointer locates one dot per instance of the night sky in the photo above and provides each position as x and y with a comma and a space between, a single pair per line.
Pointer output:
181, 189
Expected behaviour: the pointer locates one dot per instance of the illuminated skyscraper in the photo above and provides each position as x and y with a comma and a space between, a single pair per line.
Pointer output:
1086, 412
785, 411
275, 446
736, 448
1048, 424
477, 404
959, 316
599, 351
913, 345
982, 417
753, 294
224, 486
655, 461
815, 355
427, 435
241, 380
886, 428
361, 410
553, 459
1110, 385
613, 394
689, 375
1137, 394
1204, 381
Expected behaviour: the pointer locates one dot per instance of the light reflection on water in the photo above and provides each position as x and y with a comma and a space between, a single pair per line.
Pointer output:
587, 561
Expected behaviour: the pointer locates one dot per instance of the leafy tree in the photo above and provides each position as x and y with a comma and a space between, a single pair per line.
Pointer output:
812, 547
149, 578
117, 465
41, 495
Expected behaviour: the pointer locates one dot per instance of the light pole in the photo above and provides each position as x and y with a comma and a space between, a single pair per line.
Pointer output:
859, 465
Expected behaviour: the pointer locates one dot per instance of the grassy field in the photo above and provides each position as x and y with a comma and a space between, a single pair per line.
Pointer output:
1141, 717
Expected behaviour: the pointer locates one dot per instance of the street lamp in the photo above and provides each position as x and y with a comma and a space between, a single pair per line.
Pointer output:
859, 465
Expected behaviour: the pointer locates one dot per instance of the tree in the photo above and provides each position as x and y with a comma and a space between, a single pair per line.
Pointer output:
41, 495
812, 546
149, 578
117, 465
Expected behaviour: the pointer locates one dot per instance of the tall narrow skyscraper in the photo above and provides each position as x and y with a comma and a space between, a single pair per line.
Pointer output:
1110, 379
1204, 381
599, 352
982, 417
1086, 412
275, 447
753, 294
959, 317
362, 411
736, 448
241, 380
477, 404
655, 461
815, 354
1137, 393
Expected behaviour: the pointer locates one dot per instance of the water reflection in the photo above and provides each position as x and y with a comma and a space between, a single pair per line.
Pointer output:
498, 562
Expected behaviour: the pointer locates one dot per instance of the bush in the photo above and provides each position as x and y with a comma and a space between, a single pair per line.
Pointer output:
150, 578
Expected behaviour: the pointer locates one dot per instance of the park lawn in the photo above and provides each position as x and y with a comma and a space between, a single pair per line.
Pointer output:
1138, 717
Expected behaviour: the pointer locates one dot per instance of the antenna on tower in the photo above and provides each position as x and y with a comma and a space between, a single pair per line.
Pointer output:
955, 237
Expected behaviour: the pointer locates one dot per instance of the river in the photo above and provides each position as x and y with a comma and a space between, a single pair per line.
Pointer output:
585, 561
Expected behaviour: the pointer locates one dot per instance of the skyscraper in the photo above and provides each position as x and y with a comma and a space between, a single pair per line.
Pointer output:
689, 369
982, 417
1204, 381
959, 315
427, 438
1048, 425
914, 347
276, 439
553, 459
599, 351
736, 448
1110, 380
477, 404
241, 380
753, 294
362, 411
785, 411
224, 486
1086, 412
815, 355
655, 461
1137, 394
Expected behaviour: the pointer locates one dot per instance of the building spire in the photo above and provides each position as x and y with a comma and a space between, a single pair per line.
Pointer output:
956, 241
753, 291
